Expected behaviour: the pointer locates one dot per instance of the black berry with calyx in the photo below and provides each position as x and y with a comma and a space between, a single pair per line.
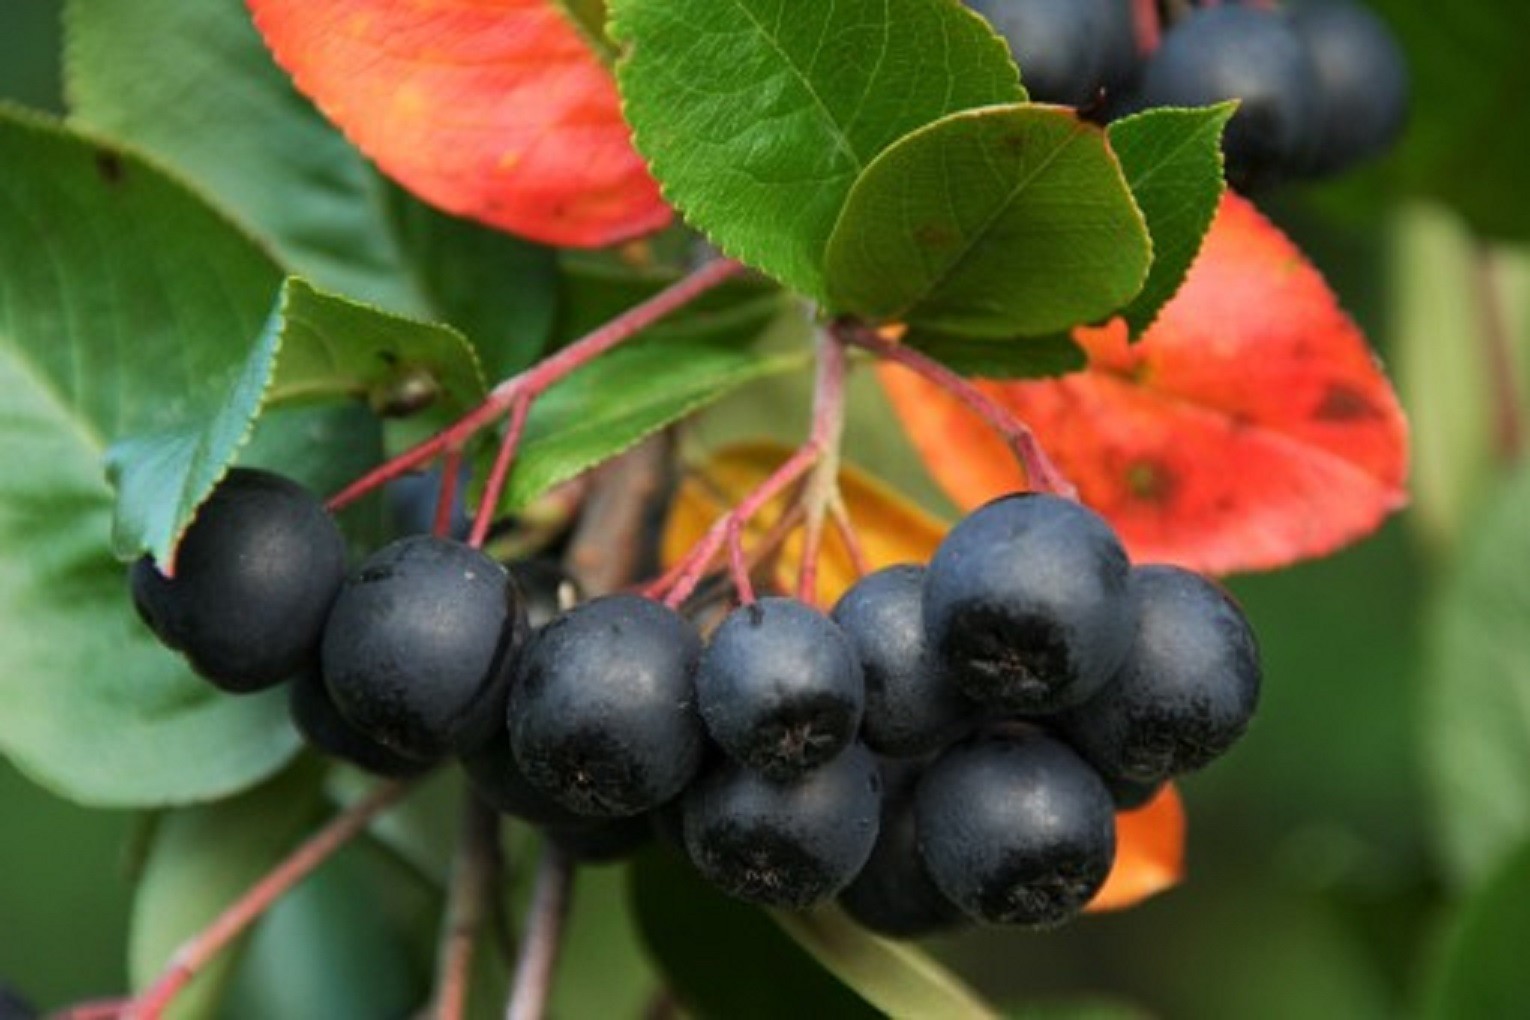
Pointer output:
1015, 828
1362, 82
1068, 50
603, 709
1187, 690
1026, 600
780, 687
255, 576
912, 705
787, 844
893, 894
497, 779
314, 714
1253, 55
418, 648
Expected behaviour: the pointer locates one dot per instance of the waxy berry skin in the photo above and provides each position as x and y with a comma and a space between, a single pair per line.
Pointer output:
255, 576
602, 713
1014, 828
780, 687
912, 705
314, 714
497, 779
1362, 82
1026, 601
1188, 688
1067, 50
418, 648
784, 844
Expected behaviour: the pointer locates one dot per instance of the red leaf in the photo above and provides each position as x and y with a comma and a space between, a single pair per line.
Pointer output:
1150, 853
1249, 427
497, 110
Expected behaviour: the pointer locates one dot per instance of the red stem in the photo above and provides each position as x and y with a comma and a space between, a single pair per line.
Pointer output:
450, 472
543, 937
495, 485
851, 538
201, 948
531, 383
1147, 24
1040, 473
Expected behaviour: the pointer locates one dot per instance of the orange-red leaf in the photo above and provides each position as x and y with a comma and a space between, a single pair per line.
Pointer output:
1150, 853
497, 110
1249, 427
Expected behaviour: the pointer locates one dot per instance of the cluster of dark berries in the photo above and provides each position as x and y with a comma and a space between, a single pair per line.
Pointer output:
1322, 83
951, 742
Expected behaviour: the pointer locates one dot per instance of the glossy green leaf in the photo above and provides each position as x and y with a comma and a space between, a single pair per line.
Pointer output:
898, 979
122, 296
193, 85
1012, 358
1477, 690
996, 222
202, 859
1173, 164
1481, 969
757, 116
726, 959
315, 347
612, 403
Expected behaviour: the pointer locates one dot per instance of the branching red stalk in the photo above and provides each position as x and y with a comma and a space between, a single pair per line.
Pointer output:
494, 486
543, 937
198, 951
451, 472
1040, 473
1147, 25
822, 488
532, 383
851, 538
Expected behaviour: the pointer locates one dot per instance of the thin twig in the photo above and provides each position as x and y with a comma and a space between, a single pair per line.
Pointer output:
475, 875
1040, 473
533, 382
494, 486
854, 548
822, 486
543, 937
446, 499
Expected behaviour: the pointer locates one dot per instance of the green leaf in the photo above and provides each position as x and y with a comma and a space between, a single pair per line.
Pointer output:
1477, 690
612, 403
121, 293
896, 978
193, 84
757, 116
1481, 971
315, 347
1173, 164
1013, 358
723, 958
602, 938
202, 860
499, 290
996, 222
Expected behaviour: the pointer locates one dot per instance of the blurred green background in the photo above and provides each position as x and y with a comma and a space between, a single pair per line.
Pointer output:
1363, 853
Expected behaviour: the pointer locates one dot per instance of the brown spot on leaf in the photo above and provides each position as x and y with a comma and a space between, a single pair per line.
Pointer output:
934, 235
1151, 481
1344, 403
109, 166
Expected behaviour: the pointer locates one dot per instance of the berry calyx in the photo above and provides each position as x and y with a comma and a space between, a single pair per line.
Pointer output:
255, 576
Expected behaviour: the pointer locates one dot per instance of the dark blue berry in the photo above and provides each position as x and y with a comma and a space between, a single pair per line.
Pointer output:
780, 687
1362, 82
255, 576
1026, 601
314, 714
603, 708
784, 844
1015, 828
419, 645
912, 706
1068, 50
498, 780
1187, 691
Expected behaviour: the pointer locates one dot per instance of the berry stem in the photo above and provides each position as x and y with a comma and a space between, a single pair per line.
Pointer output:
1040, 473
201, 948
495, 485
474, 875
851, 538
1147, 25
543, 937
532, 383
822, 487
447, 497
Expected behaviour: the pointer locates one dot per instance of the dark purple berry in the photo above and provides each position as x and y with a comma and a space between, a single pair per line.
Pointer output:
603, 708
912, 705
784, 844
1026, 602
1362, 82
255, 576
780, 687
1187, 691
419, 646
1068, 50
314, 714
1015, 828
